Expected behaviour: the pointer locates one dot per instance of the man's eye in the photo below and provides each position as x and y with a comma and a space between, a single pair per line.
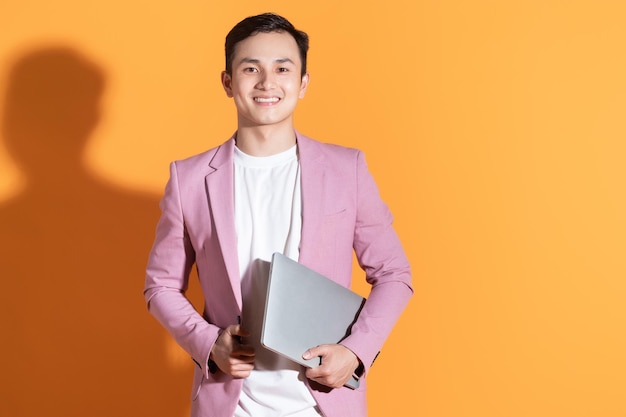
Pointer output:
250, 69
283, 69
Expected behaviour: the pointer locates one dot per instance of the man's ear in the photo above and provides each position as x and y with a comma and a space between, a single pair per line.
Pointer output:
227, 83
306, 79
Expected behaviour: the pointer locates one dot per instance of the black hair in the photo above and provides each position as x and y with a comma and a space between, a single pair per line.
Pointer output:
264, 23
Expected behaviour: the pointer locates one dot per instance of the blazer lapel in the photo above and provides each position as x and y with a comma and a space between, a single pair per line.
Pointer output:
219, 185
313, 177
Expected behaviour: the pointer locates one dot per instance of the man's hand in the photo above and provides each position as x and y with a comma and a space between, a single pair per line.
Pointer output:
230, 355
337, 365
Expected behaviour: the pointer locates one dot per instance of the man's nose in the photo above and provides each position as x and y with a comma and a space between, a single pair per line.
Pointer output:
267, 81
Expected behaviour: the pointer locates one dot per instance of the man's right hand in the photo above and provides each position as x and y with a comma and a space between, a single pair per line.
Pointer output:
230, 355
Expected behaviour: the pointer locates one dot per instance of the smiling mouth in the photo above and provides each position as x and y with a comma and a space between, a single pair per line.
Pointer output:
266, 99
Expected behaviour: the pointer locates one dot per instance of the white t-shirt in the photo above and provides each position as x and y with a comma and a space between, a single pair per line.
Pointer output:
268, 219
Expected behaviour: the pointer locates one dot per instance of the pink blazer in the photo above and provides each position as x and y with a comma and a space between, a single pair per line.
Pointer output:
341, 211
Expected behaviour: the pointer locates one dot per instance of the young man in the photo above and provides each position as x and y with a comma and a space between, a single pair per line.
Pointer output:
268, 189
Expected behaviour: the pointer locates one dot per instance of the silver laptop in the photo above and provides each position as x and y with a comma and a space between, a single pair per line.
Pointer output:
304, 309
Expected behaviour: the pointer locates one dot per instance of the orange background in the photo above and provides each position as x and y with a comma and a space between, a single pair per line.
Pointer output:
495, 130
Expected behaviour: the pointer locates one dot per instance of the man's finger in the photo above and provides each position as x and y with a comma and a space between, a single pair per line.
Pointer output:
237, 330
313, 352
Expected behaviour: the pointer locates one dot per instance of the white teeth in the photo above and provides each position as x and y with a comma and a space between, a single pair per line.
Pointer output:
266, 100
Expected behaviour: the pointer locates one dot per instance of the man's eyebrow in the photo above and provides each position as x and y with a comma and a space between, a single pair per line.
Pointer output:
249, 61
284, 60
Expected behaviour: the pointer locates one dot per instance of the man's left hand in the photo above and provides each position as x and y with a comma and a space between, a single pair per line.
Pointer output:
338, 363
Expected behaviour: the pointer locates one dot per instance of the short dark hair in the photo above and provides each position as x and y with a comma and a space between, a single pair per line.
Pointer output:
264, 23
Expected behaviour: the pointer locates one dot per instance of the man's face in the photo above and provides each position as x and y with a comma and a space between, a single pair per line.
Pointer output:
266, 82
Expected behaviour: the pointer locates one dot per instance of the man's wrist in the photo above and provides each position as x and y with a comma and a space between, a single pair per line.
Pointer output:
213, 368
358, 372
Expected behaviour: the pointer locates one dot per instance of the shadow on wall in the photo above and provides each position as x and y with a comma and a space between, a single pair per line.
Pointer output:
77, 339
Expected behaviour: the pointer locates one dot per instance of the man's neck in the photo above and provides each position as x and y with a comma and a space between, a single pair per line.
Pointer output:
265, 140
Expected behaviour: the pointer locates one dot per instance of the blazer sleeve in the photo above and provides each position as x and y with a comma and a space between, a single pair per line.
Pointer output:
381, 256
167, 276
